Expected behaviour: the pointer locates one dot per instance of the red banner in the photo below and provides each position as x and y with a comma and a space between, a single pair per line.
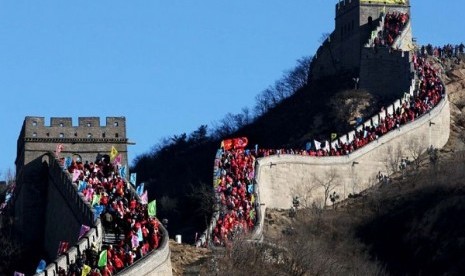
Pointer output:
236, 143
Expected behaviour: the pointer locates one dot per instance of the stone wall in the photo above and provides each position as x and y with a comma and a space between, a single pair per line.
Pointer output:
157, 262
355, 20
281, 177
385, 72
48, 202
85, 140
67, 211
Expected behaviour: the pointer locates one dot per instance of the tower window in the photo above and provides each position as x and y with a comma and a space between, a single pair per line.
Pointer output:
116, 135
89, 124
34, 123
115, 124
62, 135
103, 135
48, 134
89, 135
34, 134
61, 124
75, 134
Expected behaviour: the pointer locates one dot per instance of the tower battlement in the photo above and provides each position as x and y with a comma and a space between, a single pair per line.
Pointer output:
345, 5
356, 24
85, 141
62, 128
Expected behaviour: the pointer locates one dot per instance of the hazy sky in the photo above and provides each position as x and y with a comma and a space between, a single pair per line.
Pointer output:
167, 66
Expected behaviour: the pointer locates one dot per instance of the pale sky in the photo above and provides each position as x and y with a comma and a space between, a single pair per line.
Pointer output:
167, 66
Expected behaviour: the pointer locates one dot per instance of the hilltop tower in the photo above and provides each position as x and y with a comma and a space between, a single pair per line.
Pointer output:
35, 191
350, 45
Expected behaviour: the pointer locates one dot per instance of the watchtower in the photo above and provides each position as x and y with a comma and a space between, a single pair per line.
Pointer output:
36, 191
354, 23
84, 141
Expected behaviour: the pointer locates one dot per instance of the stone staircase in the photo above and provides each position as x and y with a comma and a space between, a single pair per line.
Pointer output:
110, 238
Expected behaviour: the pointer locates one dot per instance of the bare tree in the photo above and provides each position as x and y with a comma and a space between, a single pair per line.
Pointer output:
416, 148
304, 192
168, 204
324, 37
392, 159
10, 251
205, 195
328, 182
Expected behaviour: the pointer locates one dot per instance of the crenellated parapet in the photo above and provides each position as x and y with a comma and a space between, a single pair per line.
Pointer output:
357, 22
83, 141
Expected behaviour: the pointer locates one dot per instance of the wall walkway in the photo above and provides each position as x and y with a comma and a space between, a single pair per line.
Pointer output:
281, 177
67, 207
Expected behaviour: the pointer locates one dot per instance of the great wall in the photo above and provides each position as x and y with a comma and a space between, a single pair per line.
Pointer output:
46, 198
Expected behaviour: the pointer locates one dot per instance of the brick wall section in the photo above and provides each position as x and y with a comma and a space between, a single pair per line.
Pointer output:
158, 262
48, 202
87, 139
385, 72
343, 52
290, 174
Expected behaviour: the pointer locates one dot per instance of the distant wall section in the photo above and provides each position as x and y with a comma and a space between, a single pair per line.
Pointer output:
281, 177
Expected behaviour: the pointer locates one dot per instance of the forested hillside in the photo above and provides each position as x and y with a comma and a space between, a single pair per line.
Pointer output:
178, 171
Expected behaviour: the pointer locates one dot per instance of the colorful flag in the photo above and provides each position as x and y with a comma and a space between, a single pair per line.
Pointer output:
317, 145
134, 241
132, 178
252, 214
102, 261
76, 174
113, 153
139, 235
227, 144
59, 149
144, 198
333, 136
82, 186
98, 210
327, 147
118, 159
122, 171
250, 189
68, 161
308, 146
85, 270
95, 200
152, 208
41, 266
62, 247
140, 189
83, 231
240, 142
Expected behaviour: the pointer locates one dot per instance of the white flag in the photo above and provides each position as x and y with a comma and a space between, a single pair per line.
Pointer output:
317, 145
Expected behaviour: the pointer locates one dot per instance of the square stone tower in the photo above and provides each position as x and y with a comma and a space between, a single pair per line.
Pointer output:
84, 141
354, 23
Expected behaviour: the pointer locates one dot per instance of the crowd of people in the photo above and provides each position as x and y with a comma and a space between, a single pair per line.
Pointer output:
430, 93
234, 168
235, 194
393, 25
446, 51
120, 212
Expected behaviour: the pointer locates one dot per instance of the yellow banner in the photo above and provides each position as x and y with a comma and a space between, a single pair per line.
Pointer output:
387, 2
